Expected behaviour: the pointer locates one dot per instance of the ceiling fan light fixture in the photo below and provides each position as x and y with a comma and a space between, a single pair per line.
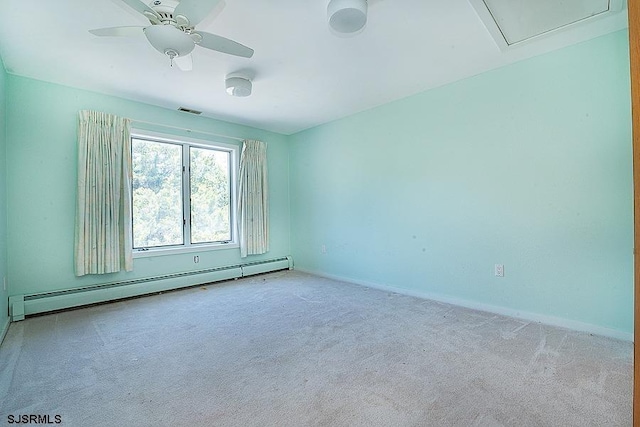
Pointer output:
347, 16
238, 86
167, 38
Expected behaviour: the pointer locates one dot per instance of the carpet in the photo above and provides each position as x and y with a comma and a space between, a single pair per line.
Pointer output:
291, 349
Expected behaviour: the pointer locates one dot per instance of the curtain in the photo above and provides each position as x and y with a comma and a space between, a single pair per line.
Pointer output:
103, 230
253, 199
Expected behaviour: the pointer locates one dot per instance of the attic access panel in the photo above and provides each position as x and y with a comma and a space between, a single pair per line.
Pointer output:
517, 21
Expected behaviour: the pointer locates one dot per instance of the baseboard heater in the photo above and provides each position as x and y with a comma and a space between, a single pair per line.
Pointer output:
24, 305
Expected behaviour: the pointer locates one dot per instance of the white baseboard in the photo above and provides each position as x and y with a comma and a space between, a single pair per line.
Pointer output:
4, 329
503, 311
25, 305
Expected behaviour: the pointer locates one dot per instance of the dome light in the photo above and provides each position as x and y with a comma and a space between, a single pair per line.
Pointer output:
347, 16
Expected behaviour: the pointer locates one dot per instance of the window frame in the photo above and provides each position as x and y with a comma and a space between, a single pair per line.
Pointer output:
186, 143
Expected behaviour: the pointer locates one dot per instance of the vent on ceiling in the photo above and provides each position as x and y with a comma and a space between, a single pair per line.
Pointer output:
513, 22
190, 111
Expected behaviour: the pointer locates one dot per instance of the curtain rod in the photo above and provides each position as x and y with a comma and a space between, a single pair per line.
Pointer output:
187, 130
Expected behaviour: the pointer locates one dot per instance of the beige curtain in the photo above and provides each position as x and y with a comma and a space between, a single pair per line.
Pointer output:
253, 199
103, 230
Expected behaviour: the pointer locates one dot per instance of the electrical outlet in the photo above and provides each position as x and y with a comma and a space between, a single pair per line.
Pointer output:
499, 270
196, 259
323, 249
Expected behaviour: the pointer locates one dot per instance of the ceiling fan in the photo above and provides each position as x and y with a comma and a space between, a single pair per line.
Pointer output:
172, 30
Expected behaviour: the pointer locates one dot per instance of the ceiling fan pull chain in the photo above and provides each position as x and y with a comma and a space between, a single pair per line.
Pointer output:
171, 54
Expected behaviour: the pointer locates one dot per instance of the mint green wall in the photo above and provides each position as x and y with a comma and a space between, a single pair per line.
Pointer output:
41, 158
4, 318
527, 166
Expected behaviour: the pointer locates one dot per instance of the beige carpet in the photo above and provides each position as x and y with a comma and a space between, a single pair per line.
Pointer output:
289, 349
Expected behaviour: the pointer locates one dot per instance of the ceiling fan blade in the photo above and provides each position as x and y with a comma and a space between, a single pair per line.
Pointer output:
118, 32
221, 44
143, 9
185, 63
195, 10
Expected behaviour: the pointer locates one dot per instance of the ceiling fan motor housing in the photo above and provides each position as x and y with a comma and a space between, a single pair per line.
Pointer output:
164, 7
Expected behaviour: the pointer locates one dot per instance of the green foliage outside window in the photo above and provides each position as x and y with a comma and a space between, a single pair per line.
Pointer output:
158, 194
209, 196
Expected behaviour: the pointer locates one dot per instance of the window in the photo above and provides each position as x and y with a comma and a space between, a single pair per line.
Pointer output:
183, 193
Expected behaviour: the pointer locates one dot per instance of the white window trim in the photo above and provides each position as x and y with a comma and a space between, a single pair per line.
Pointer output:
187, 142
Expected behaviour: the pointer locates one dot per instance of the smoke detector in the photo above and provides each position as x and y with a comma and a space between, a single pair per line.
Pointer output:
239, 86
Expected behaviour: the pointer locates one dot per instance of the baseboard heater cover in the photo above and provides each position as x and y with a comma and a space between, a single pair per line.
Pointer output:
24, 305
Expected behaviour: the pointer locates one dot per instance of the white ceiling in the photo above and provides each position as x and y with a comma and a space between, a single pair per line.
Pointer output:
303, 75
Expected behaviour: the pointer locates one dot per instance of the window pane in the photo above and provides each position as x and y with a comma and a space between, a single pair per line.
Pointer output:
157, 194
210, 191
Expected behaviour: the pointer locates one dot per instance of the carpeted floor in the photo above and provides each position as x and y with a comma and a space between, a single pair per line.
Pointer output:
290, 349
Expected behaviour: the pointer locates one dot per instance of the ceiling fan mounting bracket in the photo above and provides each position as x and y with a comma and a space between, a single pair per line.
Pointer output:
164, 11
164, 6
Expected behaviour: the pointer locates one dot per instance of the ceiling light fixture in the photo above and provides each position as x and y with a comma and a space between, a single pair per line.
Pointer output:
238, 86
169, 40
347, 16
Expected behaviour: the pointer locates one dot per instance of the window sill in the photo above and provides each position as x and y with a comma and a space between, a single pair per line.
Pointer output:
183, 250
